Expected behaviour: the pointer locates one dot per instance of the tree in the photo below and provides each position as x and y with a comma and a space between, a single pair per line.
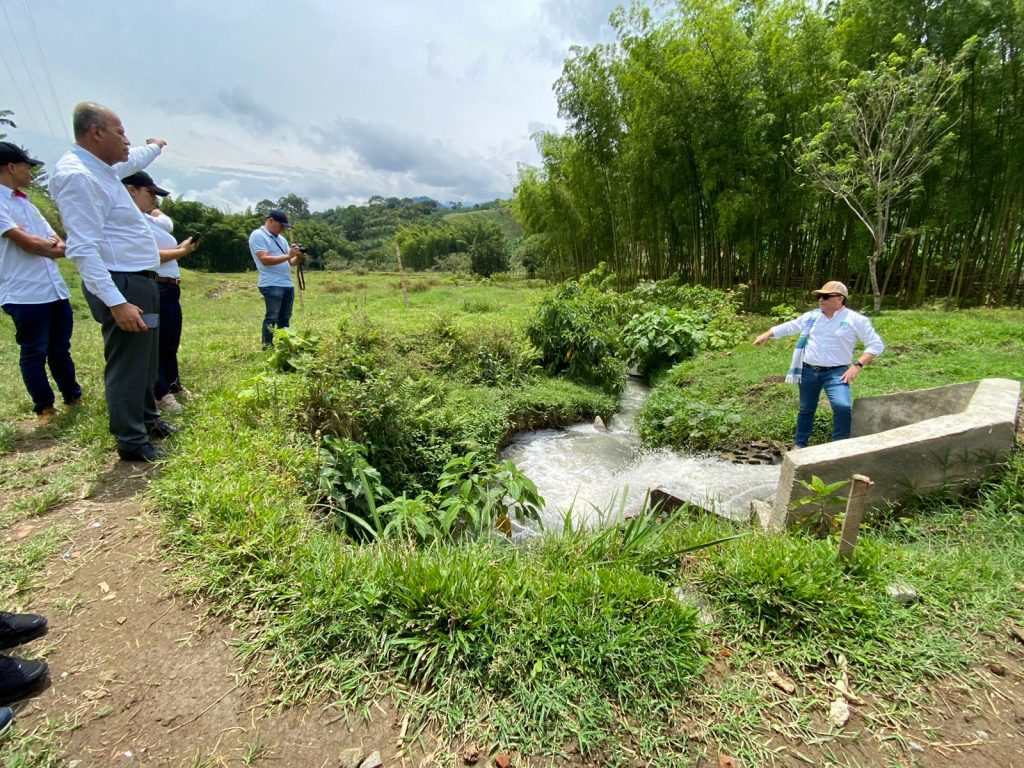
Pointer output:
297, 208
5, 121
886, 127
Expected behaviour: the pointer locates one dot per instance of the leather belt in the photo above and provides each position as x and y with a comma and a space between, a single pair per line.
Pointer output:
168, 280
150, 273
824, 367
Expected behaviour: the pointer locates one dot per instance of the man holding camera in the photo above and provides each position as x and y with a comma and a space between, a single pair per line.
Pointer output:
116, 255
274, 259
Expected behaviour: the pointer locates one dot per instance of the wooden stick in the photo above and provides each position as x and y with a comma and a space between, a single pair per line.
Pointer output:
859, 487
401, 275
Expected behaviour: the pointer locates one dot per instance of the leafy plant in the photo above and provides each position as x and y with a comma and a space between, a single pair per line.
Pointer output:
351, 486
673, 417
290, 345
816, 513
576, 332
477, 493
661, 337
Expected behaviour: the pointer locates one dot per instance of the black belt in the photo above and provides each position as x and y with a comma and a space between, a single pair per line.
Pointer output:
824, 367
150, 273
170, 280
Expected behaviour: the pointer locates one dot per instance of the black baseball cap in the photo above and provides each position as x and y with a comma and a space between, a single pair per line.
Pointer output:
12, 153
280, 217
143, 179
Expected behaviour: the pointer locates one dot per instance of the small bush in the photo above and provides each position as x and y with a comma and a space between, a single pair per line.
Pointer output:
577, 334
675, 418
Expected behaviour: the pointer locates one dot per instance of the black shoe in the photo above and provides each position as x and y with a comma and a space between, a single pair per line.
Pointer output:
148, 453
18, 628
160, 430
20, 678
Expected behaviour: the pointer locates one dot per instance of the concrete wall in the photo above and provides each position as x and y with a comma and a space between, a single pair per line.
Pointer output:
910, 443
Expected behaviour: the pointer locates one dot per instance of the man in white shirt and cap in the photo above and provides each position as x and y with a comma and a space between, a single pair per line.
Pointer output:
32, 290
116, 255
823, 358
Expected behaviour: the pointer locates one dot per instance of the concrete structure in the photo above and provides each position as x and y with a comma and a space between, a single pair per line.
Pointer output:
909, 443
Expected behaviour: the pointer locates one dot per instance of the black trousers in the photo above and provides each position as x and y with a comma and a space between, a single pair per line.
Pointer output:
170, 339
131, 362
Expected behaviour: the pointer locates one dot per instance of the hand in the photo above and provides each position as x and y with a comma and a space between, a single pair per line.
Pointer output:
850, 374
188, 245
56, 249
128, 317
160, 142
762, 338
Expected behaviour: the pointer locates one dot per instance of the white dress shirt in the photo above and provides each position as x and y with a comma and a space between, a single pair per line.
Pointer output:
25, 277
106, 230
161, 227
832, 341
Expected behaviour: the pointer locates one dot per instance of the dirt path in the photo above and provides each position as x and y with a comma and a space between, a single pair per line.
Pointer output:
141, 677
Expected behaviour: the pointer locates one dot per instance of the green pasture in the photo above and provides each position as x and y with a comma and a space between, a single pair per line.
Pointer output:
578, 641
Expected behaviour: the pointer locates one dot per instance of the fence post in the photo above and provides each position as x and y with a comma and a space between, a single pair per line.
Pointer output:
401, 275
859, 487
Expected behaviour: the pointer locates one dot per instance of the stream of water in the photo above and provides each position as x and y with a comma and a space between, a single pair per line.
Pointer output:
603, 473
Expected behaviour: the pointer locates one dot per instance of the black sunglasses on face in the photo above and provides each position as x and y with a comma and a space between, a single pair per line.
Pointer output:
829, 295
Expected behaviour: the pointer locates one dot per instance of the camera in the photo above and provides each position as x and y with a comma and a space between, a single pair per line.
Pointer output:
302, 248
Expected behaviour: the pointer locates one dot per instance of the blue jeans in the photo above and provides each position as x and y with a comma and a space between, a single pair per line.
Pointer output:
279, 311
838, 393
43, 331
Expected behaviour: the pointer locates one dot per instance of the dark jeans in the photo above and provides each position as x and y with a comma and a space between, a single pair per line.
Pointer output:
131, 362
170, 340
279, 311
43, 331
838, 394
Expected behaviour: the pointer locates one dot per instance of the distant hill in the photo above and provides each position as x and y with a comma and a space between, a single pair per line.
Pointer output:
501, 215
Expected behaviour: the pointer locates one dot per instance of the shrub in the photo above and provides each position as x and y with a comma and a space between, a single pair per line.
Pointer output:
576, 332
660, 338
674, 418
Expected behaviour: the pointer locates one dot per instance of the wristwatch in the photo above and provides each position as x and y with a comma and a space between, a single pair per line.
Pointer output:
858, 363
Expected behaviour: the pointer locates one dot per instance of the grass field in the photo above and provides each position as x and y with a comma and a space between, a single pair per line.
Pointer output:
579, 643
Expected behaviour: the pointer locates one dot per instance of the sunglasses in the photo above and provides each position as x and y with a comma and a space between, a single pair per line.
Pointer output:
828, 295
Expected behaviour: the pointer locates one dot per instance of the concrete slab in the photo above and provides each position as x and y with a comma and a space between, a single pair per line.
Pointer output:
910, 443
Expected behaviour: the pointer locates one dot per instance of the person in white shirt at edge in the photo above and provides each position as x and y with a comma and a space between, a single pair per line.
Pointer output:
145, 193
823, 358
274, 259
115, 253
32, 290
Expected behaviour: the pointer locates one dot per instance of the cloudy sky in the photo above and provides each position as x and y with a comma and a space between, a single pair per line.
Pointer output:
335, 101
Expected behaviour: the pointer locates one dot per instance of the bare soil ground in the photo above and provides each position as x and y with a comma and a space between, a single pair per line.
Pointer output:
139, 676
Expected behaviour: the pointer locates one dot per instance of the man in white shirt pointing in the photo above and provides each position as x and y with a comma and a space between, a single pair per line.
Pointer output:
112, 246
823, 358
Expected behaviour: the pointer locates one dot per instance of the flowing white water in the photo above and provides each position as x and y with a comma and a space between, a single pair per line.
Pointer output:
592, 470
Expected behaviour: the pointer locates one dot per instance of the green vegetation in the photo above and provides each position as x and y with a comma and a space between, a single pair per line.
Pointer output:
782, 143
578, 640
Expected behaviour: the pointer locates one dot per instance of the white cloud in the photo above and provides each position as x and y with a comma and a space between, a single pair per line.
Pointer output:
335, 101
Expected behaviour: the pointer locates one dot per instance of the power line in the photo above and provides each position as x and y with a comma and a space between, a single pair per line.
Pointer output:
31, 80
46, 71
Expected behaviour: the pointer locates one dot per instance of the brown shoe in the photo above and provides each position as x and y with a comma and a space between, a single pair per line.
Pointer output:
46, 417
74, 404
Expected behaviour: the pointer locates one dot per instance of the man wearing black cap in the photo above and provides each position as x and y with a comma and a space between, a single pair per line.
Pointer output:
32, 291
116, 255
274, 259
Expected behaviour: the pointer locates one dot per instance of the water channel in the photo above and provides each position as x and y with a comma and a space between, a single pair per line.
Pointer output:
591, 470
